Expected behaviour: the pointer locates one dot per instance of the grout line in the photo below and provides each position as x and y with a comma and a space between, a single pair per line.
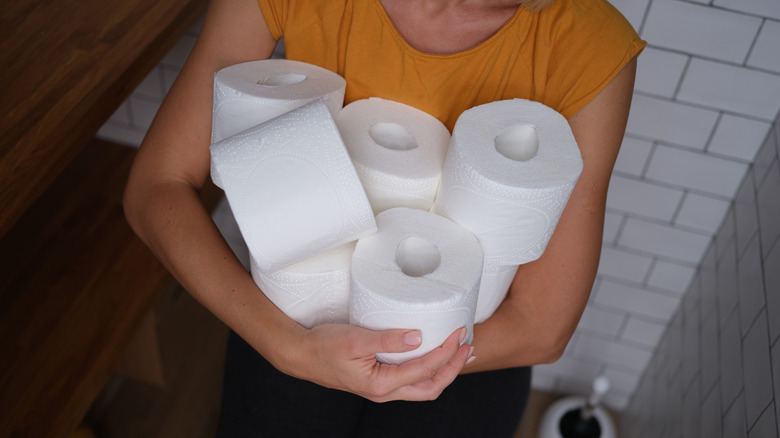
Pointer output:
623, 324
651, 289
684, 72
769, 405
645, 14
650, 269
754, 42
773, 378
620, 228
665, 223
711, 392
773, 162
735, 11
705, 107
678, 209
715, 126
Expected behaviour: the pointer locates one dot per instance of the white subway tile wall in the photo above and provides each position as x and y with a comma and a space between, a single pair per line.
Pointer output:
701, 212
769, 209
730, 357
731, 88
633, 10
766, 8
624, 265
625, 297
646, 333
671, 122
695, 170
672, 277
601, 321
738, 137
642, 198
659, 71
663, 240
632, 158
707, 92
776, 372
734, 419
757, 370
705, 31
612, 224
765, 54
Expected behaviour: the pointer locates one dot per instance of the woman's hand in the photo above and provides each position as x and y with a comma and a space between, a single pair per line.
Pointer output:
344, 357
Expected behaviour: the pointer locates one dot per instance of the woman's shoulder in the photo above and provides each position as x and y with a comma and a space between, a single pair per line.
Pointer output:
585, 44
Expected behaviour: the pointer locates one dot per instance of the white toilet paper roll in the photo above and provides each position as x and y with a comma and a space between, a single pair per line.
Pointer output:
314, 291
493, 288
398, 152
252, 92
292, 187
418, 271
509, 171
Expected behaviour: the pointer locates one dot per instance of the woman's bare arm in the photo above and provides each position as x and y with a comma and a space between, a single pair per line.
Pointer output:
547, 297
163, 207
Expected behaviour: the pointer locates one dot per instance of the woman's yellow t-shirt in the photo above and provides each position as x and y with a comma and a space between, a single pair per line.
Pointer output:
562, 56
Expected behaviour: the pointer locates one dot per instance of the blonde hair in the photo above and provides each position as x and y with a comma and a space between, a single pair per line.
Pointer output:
536, 5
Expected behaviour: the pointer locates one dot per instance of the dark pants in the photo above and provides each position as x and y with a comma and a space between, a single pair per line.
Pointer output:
260, 401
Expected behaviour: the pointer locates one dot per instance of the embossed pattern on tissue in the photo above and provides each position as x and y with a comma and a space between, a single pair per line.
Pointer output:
549, 202
239, 155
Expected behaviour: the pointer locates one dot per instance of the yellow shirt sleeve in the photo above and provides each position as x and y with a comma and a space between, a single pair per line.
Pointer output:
590, 44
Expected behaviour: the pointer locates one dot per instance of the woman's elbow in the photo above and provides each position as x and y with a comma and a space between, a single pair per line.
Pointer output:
550, 346
135, 198
552, 349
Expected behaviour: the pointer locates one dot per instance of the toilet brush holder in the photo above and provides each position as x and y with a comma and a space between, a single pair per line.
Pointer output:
579, 417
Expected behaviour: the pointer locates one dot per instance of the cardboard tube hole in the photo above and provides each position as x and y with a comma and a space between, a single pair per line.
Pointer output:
392, 136
283, 79
417, 256
519, 142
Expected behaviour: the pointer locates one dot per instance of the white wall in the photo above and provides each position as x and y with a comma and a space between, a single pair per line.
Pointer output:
716, 371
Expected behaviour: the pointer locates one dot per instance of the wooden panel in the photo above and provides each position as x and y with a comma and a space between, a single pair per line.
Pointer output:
67, 65
193, 343
75, 282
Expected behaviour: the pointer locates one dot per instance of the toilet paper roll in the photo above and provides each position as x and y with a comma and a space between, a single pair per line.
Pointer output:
253, 92
314, 291
509, 171
398, 152
292, 187
418, 271
493, 288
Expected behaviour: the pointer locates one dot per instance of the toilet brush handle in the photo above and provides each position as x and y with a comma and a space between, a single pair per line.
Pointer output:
600, 387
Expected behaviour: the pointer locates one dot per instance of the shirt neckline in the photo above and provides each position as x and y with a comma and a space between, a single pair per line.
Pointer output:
409, 48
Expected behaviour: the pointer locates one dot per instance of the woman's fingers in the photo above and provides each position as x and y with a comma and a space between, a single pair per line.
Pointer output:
423, 378
391, 341
346, 360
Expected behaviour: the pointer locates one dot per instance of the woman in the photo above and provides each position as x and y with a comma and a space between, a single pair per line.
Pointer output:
443, 57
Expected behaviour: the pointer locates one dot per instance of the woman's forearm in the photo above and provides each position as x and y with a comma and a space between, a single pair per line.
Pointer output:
546, 299
171, 220
548, 295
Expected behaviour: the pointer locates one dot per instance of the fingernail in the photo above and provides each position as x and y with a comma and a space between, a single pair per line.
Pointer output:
412, 338
463, 333
471, 356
